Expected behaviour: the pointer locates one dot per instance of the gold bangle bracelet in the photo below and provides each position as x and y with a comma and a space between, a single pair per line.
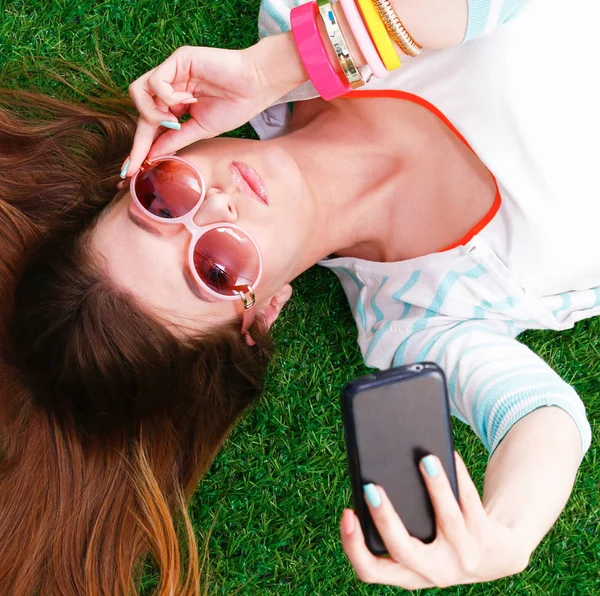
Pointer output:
336, 37
396, 29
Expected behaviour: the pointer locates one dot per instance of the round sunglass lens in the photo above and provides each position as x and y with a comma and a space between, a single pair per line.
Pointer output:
226, 261
168, 189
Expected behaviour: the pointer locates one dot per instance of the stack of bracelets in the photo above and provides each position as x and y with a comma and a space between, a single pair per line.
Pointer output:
374, 27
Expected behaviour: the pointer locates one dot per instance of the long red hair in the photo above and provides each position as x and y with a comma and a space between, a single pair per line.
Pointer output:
107, 421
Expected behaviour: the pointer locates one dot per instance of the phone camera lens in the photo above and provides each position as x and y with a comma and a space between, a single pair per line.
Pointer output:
417, 367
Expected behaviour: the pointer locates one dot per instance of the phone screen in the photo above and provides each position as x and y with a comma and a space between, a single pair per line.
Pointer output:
396, 424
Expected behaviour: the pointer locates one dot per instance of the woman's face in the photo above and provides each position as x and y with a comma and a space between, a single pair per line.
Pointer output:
150, 259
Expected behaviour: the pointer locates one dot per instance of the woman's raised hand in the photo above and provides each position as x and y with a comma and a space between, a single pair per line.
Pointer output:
221, 90
470, 546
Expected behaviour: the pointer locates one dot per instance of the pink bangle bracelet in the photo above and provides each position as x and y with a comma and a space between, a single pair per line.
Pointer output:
312, 52
363, 39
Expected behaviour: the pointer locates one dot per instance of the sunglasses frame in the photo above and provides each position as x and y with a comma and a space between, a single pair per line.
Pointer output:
196, 231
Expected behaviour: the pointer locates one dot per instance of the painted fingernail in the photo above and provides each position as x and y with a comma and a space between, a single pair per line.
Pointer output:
430, 466
124, 168
372, 495
169, 124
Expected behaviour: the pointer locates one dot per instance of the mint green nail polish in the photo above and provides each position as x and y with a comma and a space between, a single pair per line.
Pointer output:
372, 495
125, 168
169, 124
430, 466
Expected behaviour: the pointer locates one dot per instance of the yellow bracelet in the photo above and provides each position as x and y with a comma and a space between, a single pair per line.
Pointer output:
379, 33
396, 29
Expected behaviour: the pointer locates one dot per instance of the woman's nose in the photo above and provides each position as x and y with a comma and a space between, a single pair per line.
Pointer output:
217, 207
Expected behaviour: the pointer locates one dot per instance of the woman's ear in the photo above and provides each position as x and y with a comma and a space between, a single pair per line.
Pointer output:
270, 311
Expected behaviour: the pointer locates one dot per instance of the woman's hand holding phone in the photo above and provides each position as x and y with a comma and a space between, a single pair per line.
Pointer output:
470, 546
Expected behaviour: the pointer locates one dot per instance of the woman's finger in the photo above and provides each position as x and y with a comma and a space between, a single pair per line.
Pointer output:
180, 110
450, 521
469, 499
142, 142
449, 517
152, 98
143, 98
399, 543
159, 83
371, 569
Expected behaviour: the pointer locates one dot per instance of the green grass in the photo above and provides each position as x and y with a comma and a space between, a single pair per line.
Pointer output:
276, 491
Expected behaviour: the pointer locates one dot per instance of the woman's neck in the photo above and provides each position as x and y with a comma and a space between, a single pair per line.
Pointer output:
388, 180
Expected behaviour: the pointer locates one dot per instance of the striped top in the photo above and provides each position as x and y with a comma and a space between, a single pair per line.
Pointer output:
530, 114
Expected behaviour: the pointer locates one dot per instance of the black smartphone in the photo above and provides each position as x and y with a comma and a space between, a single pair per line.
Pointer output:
393, 418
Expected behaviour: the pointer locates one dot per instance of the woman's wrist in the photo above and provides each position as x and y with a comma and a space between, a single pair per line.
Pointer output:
278, 62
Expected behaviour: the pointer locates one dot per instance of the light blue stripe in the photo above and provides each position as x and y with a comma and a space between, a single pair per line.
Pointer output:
460, 332
486, 383
477, 18
480, 366
276, 16
568, 405
597, 293
398, 294
448, 282
549, 394
454, 374
422, 355
440, 296
406, 310
566, 303
412, 280
443, 290
360, 308
400, 352
479, 311
487, 398
510, 9
491, 390
378, 314
499, 306
377, 338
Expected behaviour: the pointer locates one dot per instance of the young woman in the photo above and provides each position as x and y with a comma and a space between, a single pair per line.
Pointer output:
441, 196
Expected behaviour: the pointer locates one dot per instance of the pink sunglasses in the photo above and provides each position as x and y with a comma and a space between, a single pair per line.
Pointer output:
224, 260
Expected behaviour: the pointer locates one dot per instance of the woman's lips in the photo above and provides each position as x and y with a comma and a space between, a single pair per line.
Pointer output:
250, 182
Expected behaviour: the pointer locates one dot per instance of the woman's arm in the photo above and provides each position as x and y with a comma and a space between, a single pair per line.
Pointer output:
534, 425
530, 475
439, 24
527, 484
223, 89
434, 23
